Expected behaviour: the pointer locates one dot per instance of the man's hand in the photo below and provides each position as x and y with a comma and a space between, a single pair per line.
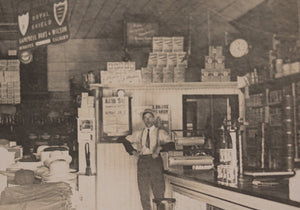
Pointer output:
156, 152
135, 154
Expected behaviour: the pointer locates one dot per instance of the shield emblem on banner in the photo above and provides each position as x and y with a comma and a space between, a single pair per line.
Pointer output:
23, 22
60, 11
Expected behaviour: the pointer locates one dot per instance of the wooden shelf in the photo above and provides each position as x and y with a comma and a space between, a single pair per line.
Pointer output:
255, 106
275, 103
170, 86
263, 173
278, 82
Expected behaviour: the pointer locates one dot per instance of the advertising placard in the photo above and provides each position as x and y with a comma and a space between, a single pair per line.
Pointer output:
115, 116
42, 22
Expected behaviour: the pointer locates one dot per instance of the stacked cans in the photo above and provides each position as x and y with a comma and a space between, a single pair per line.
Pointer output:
288, 145
167, 61
215, 70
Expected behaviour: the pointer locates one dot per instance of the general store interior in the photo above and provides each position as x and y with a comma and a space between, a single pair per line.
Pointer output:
52, 83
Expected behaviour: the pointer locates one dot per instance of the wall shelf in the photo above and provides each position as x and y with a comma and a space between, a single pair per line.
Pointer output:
170, 86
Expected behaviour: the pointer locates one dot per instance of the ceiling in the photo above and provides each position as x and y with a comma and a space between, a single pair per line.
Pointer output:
95, 19
194, 19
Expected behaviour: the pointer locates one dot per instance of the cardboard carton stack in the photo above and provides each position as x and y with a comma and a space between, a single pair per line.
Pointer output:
10, 82
215, 70
166, 62
120, 73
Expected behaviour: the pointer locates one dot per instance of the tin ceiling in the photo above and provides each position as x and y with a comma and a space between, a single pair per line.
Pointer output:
93, 19
96, 19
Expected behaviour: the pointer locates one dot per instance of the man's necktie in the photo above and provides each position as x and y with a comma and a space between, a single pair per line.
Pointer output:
148, 139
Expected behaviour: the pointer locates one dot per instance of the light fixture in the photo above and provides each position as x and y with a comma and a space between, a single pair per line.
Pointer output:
26, 57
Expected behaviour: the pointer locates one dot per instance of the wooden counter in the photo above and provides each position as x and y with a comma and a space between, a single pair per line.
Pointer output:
195, 189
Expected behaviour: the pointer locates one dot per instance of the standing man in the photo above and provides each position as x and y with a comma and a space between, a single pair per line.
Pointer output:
147, 144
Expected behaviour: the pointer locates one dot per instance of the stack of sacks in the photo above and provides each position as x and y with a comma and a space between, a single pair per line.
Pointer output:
167, 61
215, 70
56, 168
120, 72
46, 196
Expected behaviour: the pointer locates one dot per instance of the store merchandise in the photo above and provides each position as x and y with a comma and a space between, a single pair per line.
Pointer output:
120, 73
10, 82
167, 61
215, 70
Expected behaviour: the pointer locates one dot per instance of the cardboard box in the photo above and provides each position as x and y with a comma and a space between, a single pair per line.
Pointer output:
152, 59
157, 44
178, 44
181, 59
161, 59
215, 51
168, 74
220, 62
171, 59
146, 74
209, 62
215, 75
167, 44
157, 75
179, 74
133, 77
3, 65
295, 67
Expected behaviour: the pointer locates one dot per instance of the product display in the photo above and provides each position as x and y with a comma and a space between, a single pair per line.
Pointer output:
215, 70
10, 86
167, 61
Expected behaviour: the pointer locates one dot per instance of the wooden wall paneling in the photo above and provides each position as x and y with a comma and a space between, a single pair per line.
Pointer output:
116, 178
78, 56
173, 97
78, 12
89, 17
59, 52
58, 80
8, 11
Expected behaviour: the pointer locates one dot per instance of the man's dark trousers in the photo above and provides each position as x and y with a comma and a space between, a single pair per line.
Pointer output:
150, 175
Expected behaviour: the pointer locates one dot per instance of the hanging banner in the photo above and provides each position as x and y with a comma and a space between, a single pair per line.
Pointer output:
42, 22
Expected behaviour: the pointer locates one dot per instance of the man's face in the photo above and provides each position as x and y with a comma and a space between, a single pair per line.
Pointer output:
148, 120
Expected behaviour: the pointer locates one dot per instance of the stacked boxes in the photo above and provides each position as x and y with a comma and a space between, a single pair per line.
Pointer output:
120, 73
166, 62
215, 70
10, 82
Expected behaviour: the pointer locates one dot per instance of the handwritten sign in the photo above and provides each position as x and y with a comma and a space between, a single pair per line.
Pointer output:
140, 34
42, 23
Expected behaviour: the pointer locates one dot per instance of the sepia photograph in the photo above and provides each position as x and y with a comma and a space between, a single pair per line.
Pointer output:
149, 104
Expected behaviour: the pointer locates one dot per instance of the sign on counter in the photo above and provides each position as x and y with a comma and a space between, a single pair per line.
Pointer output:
42, 22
